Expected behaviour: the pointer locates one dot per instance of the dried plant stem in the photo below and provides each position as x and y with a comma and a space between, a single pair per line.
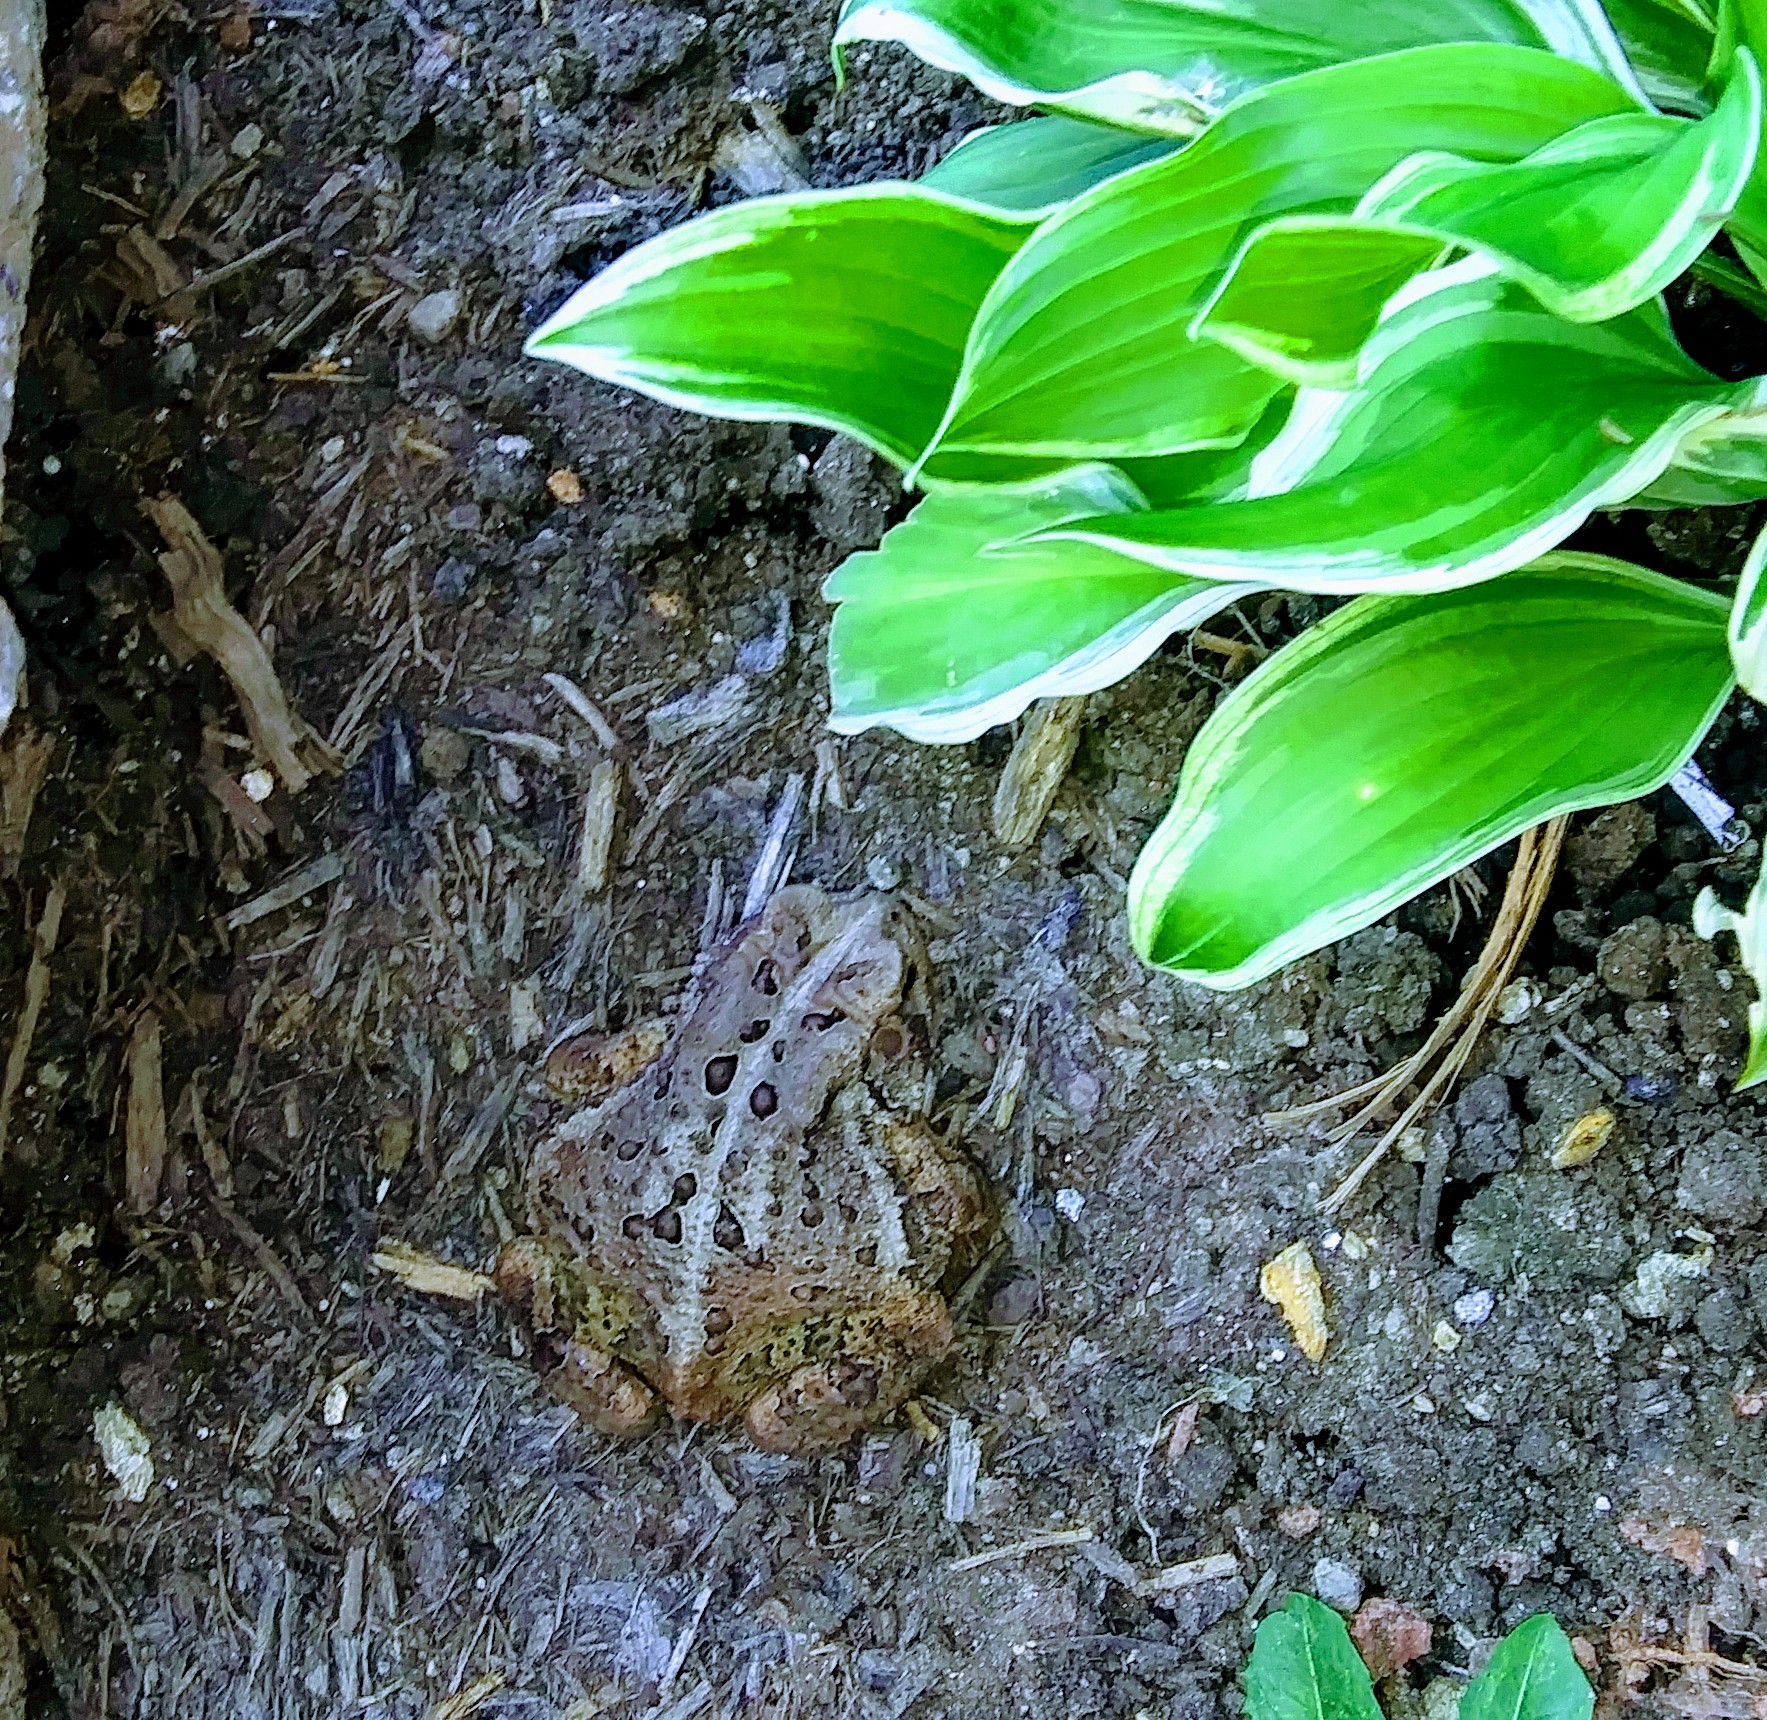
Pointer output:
1436, 1064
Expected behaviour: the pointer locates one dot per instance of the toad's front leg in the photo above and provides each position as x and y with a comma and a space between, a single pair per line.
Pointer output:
817, 1407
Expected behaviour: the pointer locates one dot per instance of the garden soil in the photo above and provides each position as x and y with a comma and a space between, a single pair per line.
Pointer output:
283, 980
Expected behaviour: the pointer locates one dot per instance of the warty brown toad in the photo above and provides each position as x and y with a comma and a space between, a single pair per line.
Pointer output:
758, 1219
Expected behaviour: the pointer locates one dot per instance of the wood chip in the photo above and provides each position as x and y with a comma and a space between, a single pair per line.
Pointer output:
30, 1012
144, 1118
315, 875
192, 566
1217, 1567
24, 766
1034, 771
463, 1704
1291, 1281
1583, 1139
1018, 1549
963, 1467
601, 807
428, 1275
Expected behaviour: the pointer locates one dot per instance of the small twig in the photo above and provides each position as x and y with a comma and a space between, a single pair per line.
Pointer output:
1018, 1549
226, 272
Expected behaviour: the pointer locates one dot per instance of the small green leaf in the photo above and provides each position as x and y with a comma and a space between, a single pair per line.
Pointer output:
1402, 737
1748, 622
1037, 165
1532, 1675
1303, 1666
1710, 917
1483, 432
950, 627
1593, 224
1170, 65
1082, 349
847, 309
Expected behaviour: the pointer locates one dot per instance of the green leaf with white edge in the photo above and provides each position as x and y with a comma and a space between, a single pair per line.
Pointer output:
1303, 1666
1748, 623
1600, 219
1710, 917
1082, 349
1669, 43
1169, 66
1532, 1675
1719, 463
1483, 432
950, 626
846, 309
1593, 224
1036, 165
1403, 737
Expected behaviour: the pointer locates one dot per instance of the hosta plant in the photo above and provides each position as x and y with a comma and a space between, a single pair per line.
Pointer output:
1356, 300
1303, 1666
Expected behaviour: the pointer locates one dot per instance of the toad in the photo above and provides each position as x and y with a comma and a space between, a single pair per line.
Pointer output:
757, 1219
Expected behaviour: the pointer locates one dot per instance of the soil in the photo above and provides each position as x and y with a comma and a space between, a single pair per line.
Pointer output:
1541, 1386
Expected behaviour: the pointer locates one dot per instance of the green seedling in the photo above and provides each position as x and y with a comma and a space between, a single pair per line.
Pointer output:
1364, 301
1303, 1666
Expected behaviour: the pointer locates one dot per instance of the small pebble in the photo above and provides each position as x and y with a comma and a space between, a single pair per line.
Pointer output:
433, 317
1474, 1308
1338, 1585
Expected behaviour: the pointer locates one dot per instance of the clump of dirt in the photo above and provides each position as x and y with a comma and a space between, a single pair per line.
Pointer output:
516, 606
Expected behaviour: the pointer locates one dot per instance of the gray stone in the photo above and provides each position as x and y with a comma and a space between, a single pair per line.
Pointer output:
1724, 1322
433, 317
1338, 1585
1542, 1226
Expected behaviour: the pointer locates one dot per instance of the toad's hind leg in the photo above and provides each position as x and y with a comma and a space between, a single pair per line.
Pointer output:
603, 1391
817, 1407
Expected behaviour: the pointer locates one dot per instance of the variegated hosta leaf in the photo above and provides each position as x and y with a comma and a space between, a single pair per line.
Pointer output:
1170, 65
1402, 737
1483, 431
1669, 43
1719, 463
847, 309
1593, 224
1082, 348
950, 627
1036, 165
1710, 917
1748, 622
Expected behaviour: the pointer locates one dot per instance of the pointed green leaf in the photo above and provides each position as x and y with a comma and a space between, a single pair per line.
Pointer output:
949, 627
1748, 623
847, 309
1532, 1675
1082, 348
1710, 917
1037, 165
1600, 219
1303, 1666
1483, 432
1593, 224
1402, 737
1171, 65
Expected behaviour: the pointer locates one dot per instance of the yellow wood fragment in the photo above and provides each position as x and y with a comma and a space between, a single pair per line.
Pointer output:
424, 1273
1291, 1282
1583, 1139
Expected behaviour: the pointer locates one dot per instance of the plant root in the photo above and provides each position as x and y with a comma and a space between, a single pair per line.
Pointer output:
1436, 1064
